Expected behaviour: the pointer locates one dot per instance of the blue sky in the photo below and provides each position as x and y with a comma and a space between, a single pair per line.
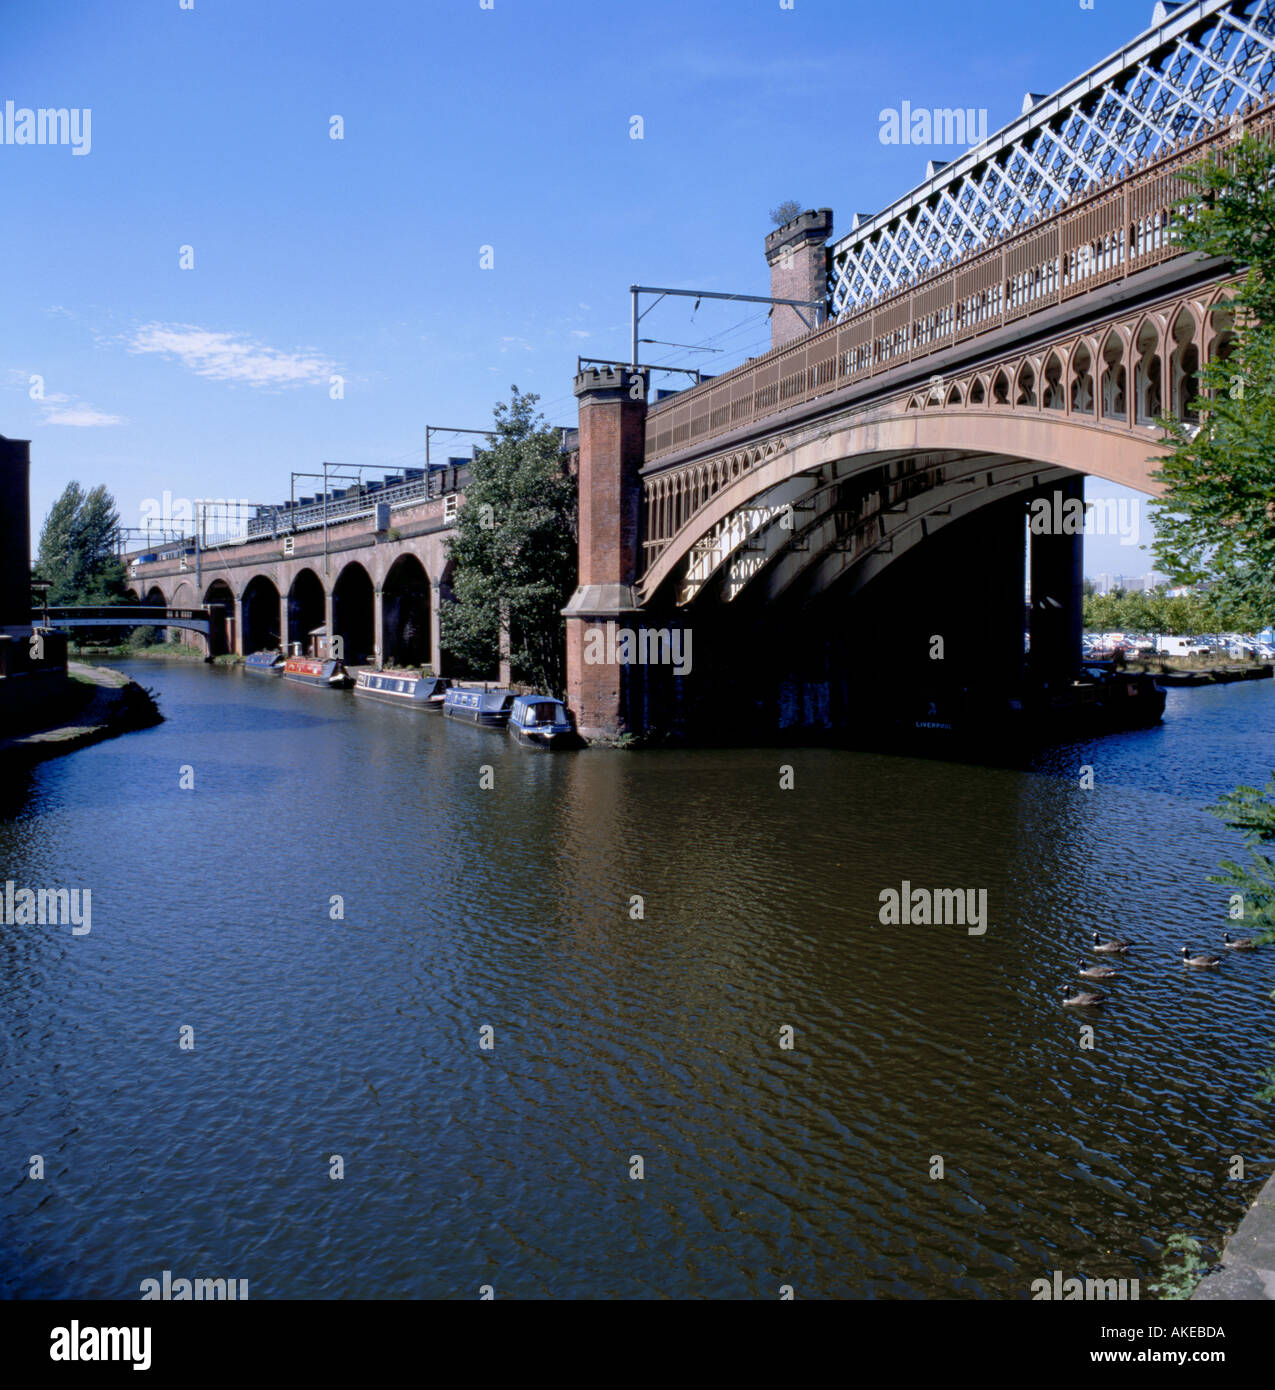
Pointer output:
464, 127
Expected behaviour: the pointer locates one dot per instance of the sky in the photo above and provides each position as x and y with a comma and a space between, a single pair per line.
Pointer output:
185, 292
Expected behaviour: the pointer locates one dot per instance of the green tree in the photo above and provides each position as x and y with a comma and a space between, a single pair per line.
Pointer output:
515, 550
1215, 520
77, 548
785, 212
1252, 812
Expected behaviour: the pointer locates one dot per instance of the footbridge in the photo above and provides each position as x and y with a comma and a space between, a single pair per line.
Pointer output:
200, 620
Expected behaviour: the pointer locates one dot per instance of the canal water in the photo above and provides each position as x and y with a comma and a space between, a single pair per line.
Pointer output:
338, 907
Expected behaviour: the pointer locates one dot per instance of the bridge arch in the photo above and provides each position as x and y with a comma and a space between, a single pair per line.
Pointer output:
218, 591
354, 612
1148, 372
154, 597
1081, 394
261, 614
1053, 388
1183, 345
307, 607
1113, 403
221, 636
1045, 440
406, 601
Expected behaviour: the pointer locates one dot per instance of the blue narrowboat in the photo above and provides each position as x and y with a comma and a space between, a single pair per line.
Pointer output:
313, 670
487, 708
408, 688
269, 662
540, 721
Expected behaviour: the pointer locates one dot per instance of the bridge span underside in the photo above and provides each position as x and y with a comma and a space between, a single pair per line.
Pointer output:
869, 594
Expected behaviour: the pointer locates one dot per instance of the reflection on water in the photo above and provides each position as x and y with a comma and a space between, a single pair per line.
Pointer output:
338, 908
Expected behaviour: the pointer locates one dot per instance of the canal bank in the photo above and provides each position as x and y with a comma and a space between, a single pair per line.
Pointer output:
1247, 1268
98, 703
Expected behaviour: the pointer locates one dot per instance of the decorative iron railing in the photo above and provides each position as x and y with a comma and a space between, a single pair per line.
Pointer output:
1109, 233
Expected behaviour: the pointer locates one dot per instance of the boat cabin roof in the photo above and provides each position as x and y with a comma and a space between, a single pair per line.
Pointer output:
524, 701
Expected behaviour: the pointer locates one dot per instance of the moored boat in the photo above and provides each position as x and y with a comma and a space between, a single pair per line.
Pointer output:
487, 708
313, 670
540, 721
269, 662
402, 688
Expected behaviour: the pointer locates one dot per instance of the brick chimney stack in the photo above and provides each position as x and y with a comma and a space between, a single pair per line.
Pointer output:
797, 254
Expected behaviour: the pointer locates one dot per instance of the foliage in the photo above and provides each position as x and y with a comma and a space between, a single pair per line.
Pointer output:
1178, 1281
1184, 614
785, 212
515, 550
1251, 811
1215, 519
142, 637
77, 548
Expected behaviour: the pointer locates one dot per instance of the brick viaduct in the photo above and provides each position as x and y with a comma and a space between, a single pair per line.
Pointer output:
380, 590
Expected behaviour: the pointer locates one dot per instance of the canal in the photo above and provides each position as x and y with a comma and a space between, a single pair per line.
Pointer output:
339, 906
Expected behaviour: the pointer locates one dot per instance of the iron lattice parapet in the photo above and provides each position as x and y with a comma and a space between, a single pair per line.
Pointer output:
1198, 65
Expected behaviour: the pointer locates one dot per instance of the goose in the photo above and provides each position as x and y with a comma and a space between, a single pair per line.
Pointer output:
1244, 943
1097, 972
1109, 948
1081, 1000
1199, 961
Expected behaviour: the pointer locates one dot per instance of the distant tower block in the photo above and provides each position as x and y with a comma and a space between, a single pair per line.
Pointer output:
797, 254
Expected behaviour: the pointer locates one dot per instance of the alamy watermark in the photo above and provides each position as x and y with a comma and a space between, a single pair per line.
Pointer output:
1057, 515
47, 125
47, 907
940, 907
901, 125
76, 1343
168, 1289
1056, 1287
168, 511
644, 646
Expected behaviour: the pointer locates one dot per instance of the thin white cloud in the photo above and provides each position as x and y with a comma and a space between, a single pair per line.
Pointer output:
580, 333
223, 356
60, 410
57, 407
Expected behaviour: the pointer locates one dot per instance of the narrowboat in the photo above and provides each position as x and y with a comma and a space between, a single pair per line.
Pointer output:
487, 708
408, 688
540, 721
269, 662
312, 670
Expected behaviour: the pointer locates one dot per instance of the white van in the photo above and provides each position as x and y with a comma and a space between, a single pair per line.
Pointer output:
1180, 646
